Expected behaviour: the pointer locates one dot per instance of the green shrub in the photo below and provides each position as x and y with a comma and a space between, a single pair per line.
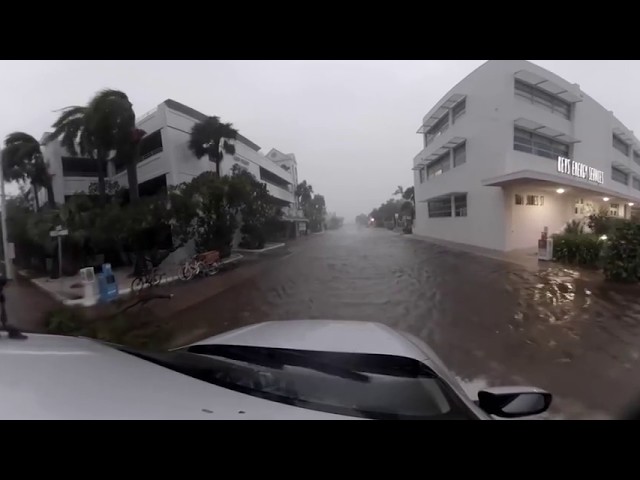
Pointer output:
621, 257
577, 249
574, 227
253, 237
66, 321
601, 224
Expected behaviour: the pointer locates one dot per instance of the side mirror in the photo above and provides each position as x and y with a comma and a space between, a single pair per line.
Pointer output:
512, 402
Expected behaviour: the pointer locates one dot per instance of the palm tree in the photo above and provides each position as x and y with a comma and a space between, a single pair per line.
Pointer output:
111, 125
23, 161
76, 138
211, 137
304, 193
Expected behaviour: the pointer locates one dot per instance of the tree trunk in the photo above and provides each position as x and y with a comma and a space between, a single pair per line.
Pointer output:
51, 201
35, 197
102, 184
132, 178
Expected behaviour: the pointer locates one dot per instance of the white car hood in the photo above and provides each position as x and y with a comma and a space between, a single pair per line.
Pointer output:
322, 335
57, 377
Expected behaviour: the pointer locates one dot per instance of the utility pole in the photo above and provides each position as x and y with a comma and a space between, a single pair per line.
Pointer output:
8, 266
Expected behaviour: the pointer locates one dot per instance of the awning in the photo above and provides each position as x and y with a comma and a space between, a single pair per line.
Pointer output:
621, 165
547, 85
544, 130
454, 142
524, 175
441, 111
441, 196
625, 136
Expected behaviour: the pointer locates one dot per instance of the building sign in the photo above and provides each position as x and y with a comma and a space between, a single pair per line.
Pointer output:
580, 170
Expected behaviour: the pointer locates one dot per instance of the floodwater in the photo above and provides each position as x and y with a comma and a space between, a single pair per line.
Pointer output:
492, 322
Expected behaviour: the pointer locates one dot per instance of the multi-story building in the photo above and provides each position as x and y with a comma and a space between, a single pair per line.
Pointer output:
167, 160
513, 150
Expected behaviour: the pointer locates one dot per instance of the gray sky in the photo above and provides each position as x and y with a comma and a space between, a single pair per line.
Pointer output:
351, 124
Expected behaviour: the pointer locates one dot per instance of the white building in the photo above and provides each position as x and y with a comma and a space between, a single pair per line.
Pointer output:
167, 160
512, 149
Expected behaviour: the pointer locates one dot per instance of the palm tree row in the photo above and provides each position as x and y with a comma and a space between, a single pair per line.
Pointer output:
104, 130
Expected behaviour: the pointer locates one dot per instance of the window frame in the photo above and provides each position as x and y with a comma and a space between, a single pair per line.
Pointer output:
440, 161
458, 110
441, 126
438, 213
462, 147
539, 145
543, 99
620, 173
460, 211
619, 145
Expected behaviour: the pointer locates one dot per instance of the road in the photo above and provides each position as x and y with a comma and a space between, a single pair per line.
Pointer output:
492, 322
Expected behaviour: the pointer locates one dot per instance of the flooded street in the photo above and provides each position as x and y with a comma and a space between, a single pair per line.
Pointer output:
492, 322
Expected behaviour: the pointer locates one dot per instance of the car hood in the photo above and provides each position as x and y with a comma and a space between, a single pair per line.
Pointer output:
58, 377
323, 335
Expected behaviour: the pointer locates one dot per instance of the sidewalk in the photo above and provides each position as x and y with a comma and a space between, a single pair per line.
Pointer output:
70, 291
527, 258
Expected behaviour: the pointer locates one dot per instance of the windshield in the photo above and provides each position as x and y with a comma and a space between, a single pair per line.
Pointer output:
358, 385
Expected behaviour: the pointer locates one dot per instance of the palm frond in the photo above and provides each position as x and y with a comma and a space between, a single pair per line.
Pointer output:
19, 137
207, 136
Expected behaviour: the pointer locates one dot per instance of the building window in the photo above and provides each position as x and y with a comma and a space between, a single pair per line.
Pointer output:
441, 165
543, 99
460, 205
438, 129
529, 142
459, 155
80, 167
619, 145
636, 157
421, 173
151, 144
636, 183
458, 110
535, 200
440, 207
619, 176
269, 177
519, 200
614, 209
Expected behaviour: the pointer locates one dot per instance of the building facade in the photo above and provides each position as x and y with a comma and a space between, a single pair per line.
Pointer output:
512, 150
166, 160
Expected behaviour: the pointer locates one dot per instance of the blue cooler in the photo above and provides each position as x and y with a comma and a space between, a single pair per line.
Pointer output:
107, 285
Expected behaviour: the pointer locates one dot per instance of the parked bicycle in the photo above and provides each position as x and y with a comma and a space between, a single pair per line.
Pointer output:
150, 278
202, 264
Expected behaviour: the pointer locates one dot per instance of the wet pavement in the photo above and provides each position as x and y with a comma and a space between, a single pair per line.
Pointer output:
492, 322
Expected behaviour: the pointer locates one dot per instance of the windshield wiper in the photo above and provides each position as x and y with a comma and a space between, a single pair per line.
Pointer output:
277, 359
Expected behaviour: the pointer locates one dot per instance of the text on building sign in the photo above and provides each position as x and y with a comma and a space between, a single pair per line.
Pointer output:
580, 170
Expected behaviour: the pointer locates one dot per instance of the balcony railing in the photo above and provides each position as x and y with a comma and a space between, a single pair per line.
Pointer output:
151, 153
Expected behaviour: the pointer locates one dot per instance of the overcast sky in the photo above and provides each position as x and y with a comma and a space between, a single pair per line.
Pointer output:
351, 124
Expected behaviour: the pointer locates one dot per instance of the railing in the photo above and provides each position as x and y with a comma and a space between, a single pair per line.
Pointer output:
151, 153
148, 114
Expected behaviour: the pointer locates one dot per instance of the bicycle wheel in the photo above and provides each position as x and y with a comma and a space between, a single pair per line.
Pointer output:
154, 278
198, 269
137, 284
186, 272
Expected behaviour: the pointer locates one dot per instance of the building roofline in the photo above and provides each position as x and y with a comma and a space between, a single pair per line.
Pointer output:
199, 116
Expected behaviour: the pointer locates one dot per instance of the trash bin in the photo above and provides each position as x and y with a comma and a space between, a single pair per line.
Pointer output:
107, 285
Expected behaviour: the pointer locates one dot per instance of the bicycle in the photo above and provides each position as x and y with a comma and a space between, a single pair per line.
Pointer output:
190, 268
150, 278
203, 264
